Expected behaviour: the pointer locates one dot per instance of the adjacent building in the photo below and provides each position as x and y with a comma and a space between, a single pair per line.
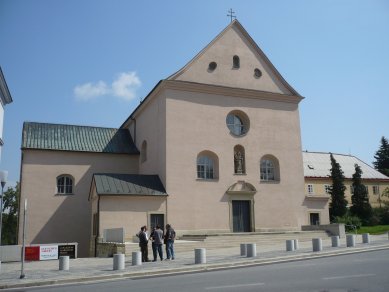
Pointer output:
5, 98
317, 167
213, 148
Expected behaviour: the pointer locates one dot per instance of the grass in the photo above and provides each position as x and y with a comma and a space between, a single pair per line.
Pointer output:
378, 229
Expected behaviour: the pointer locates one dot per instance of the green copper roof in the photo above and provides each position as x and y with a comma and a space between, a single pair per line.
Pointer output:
128, 184
77, 138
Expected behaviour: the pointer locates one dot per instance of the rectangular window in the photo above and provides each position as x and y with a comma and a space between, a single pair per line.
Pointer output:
310, 189
351, 189
327, 188
367, 189
376, 190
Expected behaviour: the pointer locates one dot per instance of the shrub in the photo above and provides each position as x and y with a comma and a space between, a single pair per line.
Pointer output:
349, 221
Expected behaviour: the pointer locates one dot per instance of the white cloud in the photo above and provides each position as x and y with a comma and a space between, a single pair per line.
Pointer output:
89, 91
124, 87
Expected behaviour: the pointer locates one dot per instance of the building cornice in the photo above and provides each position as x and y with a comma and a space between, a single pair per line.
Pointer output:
5, 95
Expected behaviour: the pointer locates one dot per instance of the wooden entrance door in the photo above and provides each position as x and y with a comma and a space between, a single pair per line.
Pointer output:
241, 216
157, 219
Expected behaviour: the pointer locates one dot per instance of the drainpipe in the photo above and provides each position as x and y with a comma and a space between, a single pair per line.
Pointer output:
98, 224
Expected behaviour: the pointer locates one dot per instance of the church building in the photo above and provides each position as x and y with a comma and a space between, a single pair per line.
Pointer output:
213, 148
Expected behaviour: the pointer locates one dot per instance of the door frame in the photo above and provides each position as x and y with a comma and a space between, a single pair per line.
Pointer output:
242, 197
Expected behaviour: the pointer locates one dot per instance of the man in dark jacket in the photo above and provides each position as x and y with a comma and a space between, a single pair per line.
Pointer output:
143, 241
170, 236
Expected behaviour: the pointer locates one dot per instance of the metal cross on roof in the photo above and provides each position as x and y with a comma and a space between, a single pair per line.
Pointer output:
231, 14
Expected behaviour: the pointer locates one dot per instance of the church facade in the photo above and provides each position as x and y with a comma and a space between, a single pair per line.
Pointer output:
214, 148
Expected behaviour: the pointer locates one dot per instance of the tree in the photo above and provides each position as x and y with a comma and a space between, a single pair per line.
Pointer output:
10, 211
338, 204
360, 199
382, 157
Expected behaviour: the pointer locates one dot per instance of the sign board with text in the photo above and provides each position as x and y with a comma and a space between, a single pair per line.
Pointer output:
48, 252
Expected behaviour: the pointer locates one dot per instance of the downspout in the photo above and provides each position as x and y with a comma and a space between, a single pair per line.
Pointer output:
98, 224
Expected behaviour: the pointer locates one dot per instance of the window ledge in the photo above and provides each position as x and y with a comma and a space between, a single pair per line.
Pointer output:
240, 174
207, 179
70, 194
269, 182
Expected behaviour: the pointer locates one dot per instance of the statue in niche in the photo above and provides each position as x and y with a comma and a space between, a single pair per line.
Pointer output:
239, 160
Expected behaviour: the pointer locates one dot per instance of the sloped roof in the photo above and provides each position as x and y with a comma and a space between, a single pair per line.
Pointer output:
77, 138
318, 164
5, 95
128, 184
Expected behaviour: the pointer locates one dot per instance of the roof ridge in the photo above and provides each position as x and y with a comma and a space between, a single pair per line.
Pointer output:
71, 125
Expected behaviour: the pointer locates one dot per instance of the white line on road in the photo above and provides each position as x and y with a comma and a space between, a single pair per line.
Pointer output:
234, 286
349, 276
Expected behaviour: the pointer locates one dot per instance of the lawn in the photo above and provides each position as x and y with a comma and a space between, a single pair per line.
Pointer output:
378, 229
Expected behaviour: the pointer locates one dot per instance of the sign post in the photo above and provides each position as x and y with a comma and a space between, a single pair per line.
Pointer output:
22, 275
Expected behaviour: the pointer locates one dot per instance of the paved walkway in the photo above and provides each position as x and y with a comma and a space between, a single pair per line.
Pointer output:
94, 269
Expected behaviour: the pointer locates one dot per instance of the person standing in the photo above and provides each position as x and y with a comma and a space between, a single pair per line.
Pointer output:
157, 243
143, 241
170, 236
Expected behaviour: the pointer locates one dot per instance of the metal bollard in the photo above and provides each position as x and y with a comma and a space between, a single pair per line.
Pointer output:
200, 256
317, 244
64, 263
290, 245
350, 240
243, 249
296, 244
366, 238
118, 261
335, 241
251, 250
136, 258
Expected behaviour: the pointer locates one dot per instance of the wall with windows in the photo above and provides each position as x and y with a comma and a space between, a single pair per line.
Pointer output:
54, 213
375, 189
196, 123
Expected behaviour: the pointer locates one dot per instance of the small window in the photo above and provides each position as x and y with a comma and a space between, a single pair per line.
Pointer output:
257, 73
352, 189
376, 190
207, 165
367, 190
269, 168
238, 123
143, 152
212, 66
239, 160
235, 62
327, 189
64, 184
310, 189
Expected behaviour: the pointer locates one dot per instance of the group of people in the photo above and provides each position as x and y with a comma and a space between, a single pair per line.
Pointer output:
157, 238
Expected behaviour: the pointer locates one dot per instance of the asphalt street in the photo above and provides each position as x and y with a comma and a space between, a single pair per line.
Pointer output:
352, 273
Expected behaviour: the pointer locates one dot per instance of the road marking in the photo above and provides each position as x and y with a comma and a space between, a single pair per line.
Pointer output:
349, 276
234, 286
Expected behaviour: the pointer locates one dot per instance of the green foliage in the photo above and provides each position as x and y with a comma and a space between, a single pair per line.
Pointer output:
382, 157
378, 229
338, 204
360, 199
380, 216
10, 211
349, 221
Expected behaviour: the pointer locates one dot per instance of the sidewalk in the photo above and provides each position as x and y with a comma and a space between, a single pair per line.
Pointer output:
94, 269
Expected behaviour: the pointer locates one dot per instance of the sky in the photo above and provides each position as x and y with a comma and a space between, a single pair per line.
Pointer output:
90, 62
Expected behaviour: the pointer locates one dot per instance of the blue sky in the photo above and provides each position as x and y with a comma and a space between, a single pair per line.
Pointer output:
90, 62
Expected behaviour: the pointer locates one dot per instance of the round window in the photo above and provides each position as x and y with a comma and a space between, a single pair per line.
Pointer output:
238, 123
212, 66
257, 73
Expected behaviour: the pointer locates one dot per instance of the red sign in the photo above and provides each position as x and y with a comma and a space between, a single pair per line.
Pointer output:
32, 253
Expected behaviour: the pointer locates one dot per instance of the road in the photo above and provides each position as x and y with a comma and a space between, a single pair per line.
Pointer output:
352, 273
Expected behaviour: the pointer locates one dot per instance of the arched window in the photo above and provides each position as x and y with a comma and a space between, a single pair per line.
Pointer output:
269, 169
207, 165
235, 62
64, 184
143, 151
239, 160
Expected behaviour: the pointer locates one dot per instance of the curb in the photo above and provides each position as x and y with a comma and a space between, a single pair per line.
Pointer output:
196, 268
